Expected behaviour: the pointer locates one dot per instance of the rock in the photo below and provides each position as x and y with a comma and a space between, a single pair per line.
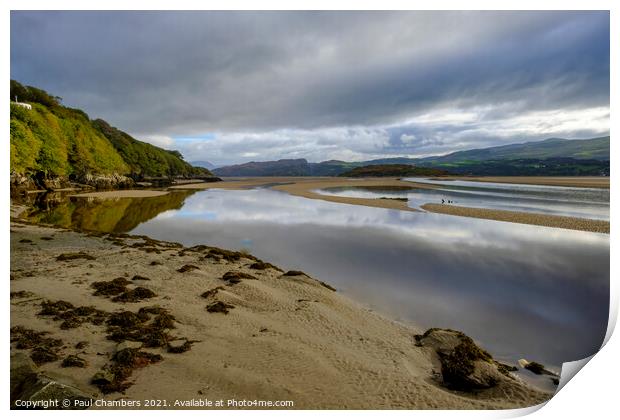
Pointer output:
179, 346
464, 365
22, 368
42, 389
104, 376
128, 345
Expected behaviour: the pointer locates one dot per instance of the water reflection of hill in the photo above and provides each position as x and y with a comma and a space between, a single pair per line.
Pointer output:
103, 215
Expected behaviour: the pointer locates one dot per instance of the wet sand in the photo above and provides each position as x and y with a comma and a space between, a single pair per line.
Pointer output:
564, 222
122, 194
284, 338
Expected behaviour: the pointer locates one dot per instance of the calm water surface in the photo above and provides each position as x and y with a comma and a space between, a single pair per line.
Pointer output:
590, 203
521, 291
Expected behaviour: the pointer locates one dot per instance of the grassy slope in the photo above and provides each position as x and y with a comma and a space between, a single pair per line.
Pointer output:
144, 158
62, 141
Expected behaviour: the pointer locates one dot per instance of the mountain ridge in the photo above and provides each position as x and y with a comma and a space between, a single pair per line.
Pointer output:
550, 156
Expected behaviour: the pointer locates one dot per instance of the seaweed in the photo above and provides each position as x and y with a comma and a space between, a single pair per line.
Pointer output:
292, 273
186, 268
535, 368
74, 256
220, 307
230, 256
81, 345
123, 364
73, 361
44, 349
262, 265
328, 286
21, 294
130, 326
135, 295
186, 346
72, 317
110, 288
234, 277
54, 308
211, 292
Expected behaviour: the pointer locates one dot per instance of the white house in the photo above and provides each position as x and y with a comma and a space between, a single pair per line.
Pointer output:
22, 104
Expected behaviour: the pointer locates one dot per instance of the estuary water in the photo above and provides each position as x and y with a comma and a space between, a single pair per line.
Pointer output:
521, 291
588, 203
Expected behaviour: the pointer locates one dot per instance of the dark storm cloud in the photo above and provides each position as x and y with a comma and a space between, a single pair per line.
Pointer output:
321, 85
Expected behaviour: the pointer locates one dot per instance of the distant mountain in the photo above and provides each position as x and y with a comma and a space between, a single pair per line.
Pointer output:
52, 144
282, 167
596, 148
547, 157
203, 164
394, 170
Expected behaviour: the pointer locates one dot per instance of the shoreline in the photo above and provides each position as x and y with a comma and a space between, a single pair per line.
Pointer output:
535, 219
294, 338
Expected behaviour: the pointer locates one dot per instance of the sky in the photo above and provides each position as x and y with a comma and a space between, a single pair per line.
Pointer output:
231, 87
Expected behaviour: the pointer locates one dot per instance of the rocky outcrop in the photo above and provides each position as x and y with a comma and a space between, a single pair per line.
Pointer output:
106, 181
464, 365
22, 182
43, 181
31, 389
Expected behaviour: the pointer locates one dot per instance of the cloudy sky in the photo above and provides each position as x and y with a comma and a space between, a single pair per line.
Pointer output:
230, 87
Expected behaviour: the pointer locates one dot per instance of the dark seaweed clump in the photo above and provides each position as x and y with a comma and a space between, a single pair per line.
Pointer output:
130, 326
135, 295
234, 277
44, 349
123, 363
262, 265
293, 273
536, 368
81, 345
186, 346
223, 254
187, 267
21, 294
220, 307
211, 292
74, 256
328, 286
71, 316
73, 361
111, 288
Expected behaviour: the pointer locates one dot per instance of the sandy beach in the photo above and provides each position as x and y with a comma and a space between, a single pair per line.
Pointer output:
252, 331
122, 194
564, 222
